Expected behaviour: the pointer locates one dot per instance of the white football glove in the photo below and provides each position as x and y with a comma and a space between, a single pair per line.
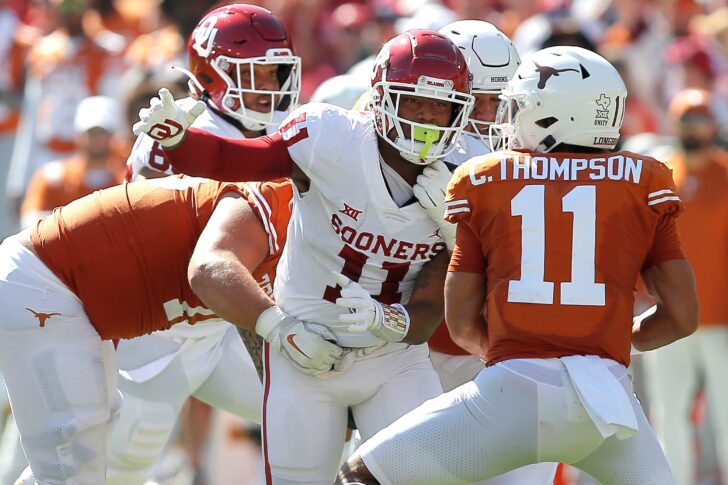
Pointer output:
307, 345
430, 191
364, 313
165, 121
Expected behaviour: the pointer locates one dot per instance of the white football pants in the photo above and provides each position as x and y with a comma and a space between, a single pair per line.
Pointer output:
215, 369
456, 370
60, 376
506, 419
305, 417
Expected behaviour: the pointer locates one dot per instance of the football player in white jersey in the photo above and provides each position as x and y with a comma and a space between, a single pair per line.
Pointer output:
356, 230
243, 67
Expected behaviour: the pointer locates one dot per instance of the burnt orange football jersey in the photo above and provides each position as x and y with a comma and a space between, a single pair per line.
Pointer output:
59, 182
703, 228
125, 250
561, 239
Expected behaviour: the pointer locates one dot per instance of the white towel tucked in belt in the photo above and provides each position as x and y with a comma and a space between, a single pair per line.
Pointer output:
602, 395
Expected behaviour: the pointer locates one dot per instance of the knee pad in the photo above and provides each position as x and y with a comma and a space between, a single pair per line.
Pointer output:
139, 437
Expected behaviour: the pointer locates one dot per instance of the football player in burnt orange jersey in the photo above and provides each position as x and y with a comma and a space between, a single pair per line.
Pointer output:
114, 265
244, 68
550, 240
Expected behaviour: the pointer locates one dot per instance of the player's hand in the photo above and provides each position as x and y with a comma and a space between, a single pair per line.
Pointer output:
364, 313
309, 346
430, 191
165, 121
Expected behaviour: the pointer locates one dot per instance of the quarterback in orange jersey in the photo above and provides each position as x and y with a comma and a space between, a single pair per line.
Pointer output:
550, 240
492, 60
115, 264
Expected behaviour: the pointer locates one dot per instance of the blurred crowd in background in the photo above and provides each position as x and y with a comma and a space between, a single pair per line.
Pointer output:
74, 73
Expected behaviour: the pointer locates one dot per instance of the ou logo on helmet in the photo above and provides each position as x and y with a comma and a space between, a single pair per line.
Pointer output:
205, 37
381, 61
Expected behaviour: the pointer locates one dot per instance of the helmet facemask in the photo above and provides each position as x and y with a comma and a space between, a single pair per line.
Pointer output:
502, 133
232, 71
427, 143
481, 129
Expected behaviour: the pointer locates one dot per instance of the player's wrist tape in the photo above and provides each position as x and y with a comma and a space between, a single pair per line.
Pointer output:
396, 320
267, 322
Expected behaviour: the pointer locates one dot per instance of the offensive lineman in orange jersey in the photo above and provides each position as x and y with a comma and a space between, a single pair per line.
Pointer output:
541, 281
114, 264
244, 68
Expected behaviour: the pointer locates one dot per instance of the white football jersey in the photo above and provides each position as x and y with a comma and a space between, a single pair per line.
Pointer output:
346, 222
148, 156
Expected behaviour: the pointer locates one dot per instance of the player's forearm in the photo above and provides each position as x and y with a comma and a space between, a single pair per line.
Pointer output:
426, 307
470, 335
424, 319
672, 285
464, 299
659, 329
202, 154
228, 289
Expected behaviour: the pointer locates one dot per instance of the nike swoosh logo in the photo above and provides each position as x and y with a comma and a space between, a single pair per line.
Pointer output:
293, 344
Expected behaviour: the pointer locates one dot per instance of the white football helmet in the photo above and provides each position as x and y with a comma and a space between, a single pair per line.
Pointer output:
491, 57
559, 95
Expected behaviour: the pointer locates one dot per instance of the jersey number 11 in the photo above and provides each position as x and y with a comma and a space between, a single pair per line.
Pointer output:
531, 287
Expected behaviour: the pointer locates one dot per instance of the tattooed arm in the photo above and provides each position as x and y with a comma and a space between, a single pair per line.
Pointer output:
254, 344
426, 308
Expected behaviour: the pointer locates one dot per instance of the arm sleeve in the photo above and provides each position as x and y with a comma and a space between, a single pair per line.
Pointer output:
457, 205
203, 154
320, 141
467, 256
271, 202
666, 244
662, 199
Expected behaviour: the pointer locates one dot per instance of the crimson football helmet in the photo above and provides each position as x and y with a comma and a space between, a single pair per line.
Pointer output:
420, 63
223, 50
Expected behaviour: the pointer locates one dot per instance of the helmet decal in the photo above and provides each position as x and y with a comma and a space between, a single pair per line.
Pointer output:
227, 51
541, 107
205, 36
545, 73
